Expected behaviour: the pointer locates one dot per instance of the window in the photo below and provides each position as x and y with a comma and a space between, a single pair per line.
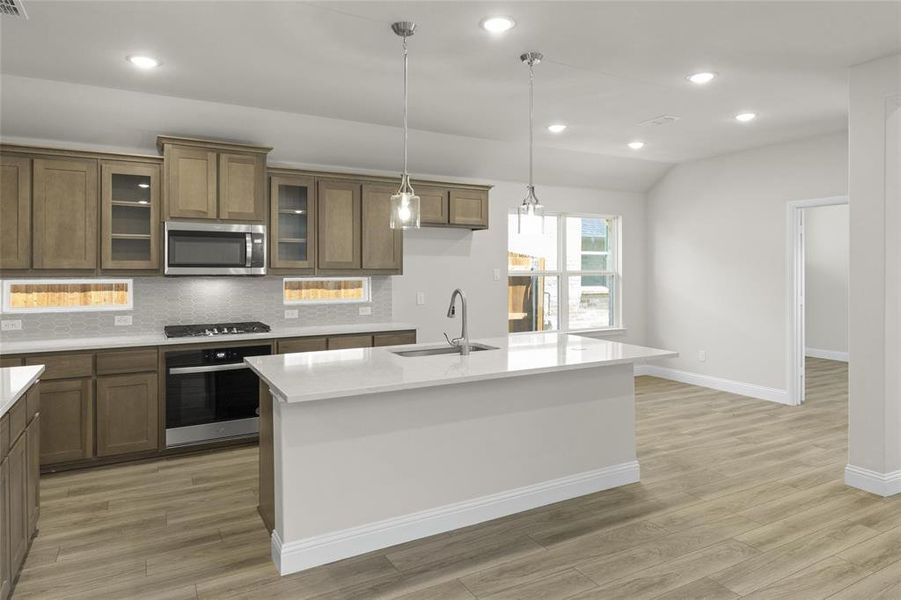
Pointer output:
326, 290
564, 278
66, 295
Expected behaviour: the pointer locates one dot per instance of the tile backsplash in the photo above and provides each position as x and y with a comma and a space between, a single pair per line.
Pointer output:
160, 301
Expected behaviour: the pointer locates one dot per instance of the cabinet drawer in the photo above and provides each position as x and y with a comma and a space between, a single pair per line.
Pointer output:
395, 338
63, 366
311, 344
18, 418
343, 342
127, 361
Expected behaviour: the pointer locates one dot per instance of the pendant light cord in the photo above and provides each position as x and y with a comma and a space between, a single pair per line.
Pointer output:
531, 120
405, 180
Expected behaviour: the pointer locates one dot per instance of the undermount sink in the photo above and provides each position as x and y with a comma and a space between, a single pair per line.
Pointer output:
444, 350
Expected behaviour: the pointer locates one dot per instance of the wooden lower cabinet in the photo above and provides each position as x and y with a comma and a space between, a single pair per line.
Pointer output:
17, 468
342, 342
394, 338
19, 489
67, 410
127, 414
310, 344
33, 456
5, 567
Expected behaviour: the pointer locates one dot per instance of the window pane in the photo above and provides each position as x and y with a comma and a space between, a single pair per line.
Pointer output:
532, 250
588, 244
591, 301
532, 303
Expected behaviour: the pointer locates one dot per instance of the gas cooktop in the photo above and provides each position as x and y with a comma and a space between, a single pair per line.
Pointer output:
215, 329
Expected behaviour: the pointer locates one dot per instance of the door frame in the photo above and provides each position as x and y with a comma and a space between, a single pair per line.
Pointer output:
796, 300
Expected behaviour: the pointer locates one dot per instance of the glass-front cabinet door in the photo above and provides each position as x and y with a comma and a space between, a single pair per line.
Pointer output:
293, 224
130, 193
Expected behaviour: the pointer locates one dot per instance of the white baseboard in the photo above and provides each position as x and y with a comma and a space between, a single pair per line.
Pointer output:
291, 557
881, 484
717, 383
827, 354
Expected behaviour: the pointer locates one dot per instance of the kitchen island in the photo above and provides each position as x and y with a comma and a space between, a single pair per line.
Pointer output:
365, 448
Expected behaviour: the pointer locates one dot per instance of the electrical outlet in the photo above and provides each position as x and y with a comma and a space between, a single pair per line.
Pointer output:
497, 274
122, 320
365, 311
702, 355
291, 314
420, 298
10, 325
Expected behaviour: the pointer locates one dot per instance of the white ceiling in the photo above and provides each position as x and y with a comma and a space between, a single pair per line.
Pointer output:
608, 66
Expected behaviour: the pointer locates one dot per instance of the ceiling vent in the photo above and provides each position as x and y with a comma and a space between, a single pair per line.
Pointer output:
13, 8
657, 121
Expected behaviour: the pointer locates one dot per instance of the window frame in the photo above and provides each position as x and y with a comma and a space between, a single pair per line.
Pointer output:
563, 273
6, 307
365, 279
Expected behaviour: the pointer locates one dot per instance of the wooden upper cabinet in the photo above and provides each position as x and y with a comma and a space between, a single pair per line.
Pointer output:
292, 224
339, 225
130, 215
432, 205
469, 208
127, 413
208, 179
64, 209
383, 247
191, 191
242, 187
15, 212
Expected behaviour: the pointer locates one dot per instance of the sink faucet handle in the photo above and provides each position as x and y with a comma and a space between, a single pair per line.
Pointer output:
453, 342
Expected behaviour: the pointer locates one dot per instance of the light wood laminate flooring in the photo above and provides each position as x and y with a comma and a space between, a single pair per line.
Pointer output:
739, 498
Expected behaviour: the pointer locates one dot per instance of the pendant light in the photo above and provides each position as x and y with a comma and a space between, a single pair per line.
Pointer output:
531, 209
404, 203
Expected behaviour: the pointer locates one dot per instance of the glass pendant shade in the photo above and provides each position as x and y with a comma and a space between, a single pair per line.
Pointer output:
404, 210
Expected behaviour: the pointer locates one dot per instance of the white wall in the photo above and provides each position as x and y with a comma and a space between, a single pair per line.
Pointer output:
438, 260
875, 305
826, 257
717, 255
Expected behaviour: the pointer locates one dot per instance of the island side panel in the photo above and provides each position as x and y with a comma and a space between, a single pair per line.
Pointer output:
366, 472
267, 468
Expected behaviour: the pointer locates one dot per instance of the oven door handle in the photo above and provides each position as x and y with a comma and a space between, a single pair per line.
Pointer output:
207, 369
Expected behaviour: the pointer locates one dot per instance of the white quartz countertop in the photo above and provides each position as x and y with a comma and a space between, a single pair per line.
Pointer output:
133, 341
312, 376
15, 381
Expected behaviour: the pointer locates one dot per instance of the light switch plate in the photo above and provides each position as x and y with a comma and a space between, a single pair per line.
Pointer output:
10, 325
702, 355
365, 311
497, 274
420, 298
291, 314
122, 320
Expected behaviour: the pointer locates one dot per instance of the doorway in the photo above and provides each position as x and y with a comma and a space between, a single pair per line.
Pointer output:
818, 311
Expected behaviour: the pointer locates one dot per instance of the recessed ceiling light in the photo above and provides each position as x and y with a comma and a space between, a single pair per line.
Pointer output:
143, 62
702, 78
745, 117
636, 145
556, 128
498, 24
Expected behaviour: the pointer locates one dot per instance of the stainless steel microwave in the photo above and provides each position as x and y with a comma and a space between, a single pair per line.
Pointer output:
214, 248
